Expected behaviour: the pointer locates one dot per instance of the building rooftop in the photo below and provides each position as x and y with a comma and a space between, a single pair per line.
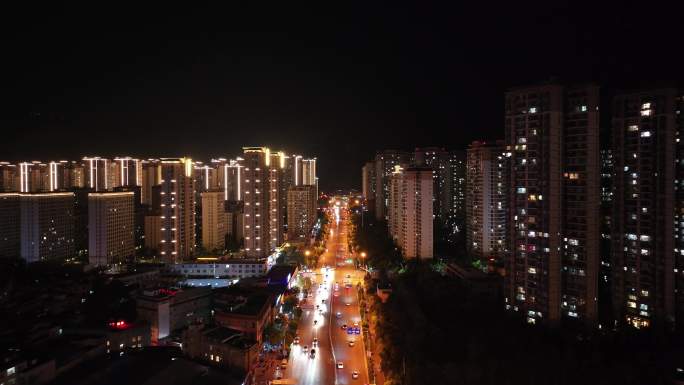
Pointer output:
150, 366
280, 274
229, 336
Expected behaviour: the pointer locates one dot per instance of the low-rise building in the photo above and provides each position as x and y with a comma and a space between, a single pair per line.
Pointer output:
248, 311
123, 335
170, 309
229, 268
220, 346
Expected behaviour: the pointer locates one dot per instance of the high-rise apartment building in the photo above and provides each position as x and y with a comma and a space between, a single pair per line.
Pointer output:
486, 202
647, 206
301, 212
309, 172
368, 184
8, 177
552, 133
74, 175
256, 201
297, 173
111, 227
150, 176
277, 200
33, 177
100, 174
437, 159
9, 225
177, 209
384, 167
47, 226
215, 224
459, 183
410, 211
127, 172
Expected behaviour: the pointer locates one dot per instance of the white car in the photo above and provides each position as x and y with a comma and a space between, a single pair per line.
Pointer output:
355, 374
340, 365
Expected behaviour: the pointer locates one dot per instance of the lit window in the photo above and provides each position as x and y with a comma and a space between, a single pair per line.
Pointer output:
632, 128
646, 134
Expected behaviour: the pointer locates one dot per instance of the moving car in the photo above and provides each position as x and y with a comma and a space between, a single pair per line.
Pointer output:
351, 343
305, 349
344, 326
283, 363
313, 353
338, 315
355, 374
340, 365
296, 340
315, 342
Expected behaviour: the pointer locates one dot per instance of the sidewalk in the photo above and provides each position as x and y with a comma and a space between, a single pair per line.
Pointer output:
374, 360
264, 370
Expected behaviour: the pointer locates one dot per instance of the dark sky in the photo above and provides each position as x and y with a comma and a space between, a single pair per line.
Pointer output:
336, 82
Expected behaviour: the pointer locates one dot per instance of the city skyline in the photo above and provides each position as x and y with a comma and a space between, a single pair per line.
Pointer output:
384, 78
393, 194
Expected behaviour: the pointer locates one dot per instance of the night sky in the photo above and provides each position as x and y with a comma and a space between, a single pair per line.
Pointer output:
333, 82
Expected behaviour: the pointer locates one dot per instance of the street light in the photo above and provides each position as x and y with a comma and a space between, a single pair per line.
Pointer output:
307, 253
363, 254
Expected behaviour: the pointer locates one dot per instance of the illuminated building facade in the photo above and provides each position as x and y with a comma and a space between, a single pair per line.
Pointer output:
256, 201
277, 200
177, 209
100, 174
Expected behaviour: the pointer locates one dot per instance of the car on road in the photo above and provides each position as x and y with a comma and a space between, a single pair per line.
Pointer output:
315, 342
350, 331
313, 353
351, 343
296, 340
305, 349
355, 374
356, 324
348, 276
348, 303
357, 331
340, 365
344, 326
338, 315
283, 363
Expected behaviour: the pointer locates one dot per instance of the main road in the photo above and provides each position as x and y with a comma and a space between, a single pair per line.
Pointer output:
333, 304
